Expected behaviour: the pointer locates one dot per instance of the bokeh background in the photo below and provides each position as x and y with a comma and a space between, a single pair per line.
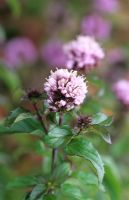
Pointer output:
32, 34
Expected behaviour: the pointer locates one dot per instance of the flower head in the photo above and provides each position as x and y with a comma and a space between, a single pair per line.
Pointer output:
19, 51
121, 89
96, 26
83, 53
108, 6
34, 94
65, 90
52, 53
84, 121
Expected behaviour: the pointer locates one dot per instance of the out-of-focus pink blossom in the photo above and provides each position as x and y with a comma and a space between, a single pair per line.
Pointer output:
18, 52
116, 55
83, 53
121, 89
52, 53
106, 6
96, 26
65, 90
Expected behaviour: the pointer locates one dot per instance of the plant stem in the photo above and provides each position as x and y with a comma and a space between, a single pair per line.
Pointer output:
55, 150
54, 158
40, 117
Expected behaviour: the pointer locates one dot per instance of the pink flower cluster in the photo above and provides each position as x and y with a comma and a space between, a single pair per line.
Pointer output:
83, 53
53, 54
19, 51
96, 26
65, 90
121, 89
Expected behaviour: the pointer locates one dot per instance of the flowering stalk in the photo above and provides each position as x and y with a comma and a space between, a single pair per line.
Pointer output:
55, 150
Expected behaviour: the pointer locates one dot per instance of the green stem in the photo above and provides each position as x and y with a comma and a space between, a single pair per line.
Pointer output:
55, 150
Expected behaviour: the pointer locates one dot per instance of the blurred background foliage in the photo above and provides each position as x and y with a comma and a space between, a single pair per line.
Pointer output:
55, 22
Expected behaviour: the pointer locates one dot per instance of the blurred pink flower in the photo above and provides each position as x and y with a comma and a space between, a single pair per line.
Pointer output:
83, 53
106, 6
18, 52
121, 89
95, 25
65, 90
52, 53
116, 55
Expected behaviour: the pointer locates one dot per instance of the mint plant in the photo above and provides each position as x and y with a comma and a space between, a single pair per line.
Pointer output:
62, 131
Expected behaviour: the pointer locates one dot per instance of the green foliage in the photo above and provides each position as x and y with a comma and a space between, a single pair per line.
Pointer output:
83, 148
20, 122
112, 179
101, 119
23, 182
100, 122
37, 192
86, 178
61, 182
58, 135
72, 192
60, 178
61, 173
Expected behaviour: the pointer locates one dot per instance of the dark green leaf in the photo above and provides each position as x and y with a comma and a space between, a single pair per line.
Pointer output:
101, 131
61, 172
102, 119
86, 178
22, 182
13, 115
81, 147
24, 123
50, 197
71, 192
37, 192
57, 135
112, 179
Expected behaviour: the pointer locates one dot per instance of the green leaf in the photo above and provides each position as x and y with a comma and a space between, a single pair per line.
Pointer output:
81, 147
86, 178
37, 192
61, 172
50, 197
101, 131
102, 119
22, 182
23, 125
22, 116
13, 115
27, 196
112, 179
57, 135
71, 192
